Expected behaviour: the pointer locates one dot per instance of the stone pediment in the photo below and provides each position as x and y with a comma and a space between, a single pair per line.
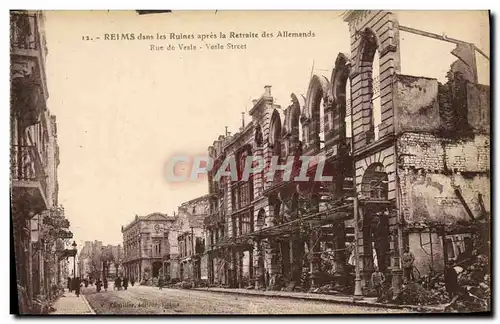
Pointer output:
157, 217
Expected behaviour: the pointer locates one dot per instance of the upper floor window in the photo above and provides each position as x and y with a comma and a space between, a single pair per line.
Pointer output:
157, 249
321, 124
275, 134
246, 223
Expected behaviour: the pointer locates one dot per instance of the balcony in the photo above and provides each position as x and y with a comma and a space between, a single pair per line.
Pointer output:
214, 219
24, 31
28, 45
28, 178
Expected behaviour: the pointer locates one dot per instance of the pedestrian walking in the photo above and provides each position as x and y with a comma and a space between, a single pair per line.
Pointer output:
118, 283
378, 280
77, 286
408, 259
86, 281
98, 285
132, 281
69, 284
105, 283
125, 283
160, 282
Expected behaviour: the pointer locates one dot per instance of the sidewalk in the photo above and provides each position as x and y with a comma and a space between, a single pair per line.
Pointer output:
69, 304
339, 299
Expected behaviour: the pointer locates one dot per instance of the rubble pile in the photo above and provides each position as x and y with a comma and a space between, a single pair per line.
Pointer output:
476, 274
415, 294
476, 279
325, 289
184, 284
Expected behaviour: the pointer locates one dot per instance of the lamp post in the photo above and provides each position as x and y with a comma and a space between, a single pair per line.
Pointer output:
358, 294
74, 259
102, 263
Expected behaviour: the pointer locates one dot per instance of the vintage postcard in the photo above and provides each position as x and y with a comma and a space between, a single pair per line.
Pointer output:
250, 162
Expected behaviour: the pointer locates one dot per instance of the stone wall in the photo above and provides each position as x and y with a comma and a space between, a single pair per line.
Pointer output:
430, 152
416, 104
430, 170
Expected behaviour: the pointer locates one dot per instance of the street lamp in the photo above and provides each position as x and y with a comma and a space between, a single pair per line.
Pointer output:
74, 259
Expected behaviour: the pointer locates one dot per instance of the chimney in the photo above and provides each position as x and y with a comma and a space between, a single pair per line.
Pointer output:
267, 91
254, 101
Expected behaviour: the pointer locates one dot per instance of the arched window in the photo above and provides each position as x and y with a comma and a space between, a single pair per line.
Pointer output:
242, 191
368, 65
376, 104
276, 133
295, 128
321, 124
314, 112
277, 212
258, 136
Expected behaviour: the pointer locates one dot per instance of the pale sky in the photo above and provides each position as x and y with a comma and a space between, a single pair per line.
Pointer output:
123, 110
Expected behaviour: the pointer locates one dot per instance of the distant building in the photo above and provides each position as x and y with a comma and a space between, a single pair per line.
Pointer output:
187, 261
145, 242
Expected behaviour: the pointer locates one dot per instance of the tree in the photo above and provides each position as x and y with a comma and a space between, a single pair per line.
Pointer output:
107, 258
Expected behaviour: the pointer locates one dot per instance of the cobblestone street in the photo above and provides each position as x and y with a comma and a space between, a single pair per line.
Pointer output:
149, 300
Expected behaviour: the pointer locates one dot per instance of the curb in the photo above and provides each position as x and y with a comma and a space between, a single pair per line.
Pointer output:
92, 312
333, 301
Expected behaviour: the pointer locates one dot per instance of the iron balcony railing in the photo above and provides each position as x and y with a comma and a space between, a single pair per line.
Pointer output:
26, 165
24, 31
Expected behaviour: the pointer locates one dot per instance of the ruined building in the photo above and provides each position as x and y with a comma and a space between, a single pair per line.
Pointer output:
409, 156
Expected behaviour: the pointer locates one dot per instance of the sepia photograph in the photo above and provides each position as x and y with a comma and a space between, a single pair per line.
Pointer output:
258, 162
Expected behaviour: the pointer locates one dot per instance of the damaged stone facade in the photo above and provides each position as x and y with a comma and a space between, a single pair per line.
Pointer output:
417, 156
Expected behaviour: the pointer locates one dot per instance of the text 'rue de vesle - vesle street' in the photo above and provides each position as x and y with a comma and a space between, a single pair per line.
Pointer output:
213, 41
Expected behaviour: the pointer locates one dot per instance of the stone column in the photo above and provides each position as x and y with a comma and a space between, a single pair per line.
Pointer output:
272, 254
232, 269
315, 258
366, 248
241, 256
397, 281
339, 255
258, 260
297, 258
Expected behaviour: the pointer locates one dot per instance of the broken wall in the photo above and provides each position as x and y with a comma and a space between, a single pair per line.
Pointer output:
430, 170
427, 258
417, 107
479, 107
419, 244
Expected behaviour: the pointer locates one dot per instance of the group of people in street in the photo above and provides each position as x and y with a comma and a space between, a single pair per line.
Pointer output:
74, 285
122, 283
118, 284
407, 261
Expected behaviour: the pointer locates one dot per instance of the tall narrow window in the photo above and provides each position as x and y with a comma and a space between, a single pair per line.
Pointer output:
321, 125
376, 105
449, 246
301, 136
348, 117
